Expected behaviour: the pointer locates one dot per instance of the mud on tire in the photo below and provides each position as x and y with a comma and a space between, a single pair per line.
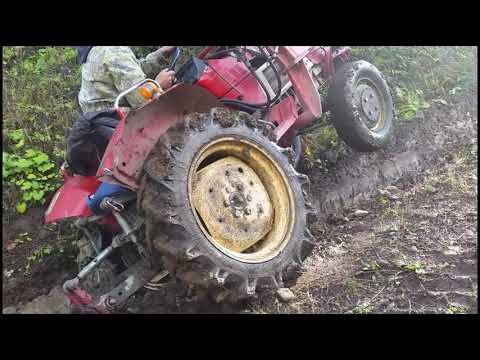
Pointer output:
172, 230
356, 123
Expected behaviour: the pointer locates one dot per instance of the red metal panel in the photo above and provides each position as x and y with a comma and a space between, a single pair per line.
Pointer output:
298, 52
144, 127
213, 82
107, 160
284, 114
69, 200
302, 83
222, 75
249, 91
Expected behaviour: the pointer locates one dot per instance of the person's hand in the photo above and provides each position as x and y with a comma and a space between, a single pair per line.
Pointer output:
165, 78
165, 50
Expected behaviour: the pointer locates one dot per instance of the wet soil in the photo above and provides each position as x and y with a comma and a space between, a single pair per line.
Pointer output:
398, 258
415, 251
35, 257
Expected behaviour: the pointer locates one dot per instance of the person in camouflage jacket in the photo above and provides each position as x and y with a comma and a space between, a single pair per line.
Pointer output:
109, 70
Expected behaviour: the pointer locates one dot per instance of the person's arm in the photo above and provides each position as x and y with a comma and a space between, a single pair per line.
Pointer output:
155, 61
125, 71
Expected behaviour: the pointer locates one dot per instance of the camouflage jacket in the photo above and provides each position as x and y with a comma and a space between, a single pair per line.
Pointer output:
109, 70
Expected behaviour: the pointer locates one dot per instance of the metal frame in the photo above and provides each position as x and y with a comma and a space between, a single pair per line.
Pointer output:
130, 89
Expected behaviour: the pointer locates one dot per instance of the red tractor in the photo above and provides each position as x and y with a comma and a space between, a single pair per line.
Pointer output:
200, 183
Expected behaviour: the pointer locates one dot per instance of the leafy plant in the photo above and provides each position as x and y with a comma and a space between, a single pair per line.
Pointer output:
363, 308
416, 266
372, 266
410, 102
418, 74
32, 174
36, 255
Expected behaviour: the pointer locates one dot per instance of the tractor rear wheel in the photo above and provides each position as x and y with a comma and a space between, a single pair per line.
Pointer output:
223, 204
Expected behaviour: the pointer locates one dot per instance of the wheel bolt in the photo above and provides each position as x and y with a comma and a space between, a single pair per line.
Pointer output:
249, 198
247, 211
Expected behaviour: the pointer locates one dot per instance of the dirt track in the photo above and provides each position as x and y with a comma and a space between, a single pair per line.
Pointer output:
415, 250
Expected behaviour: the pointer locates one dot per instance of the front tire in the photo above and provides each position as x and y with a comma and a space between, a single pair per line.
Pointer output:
362, 106
190, 236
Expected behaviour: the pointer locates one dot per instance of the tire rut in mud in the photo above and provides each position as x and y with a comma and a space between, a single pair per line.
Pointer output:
417, 144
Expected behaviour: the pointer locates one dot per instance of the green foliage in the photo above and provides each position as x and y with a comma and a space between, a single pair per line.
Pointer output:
36, 255
363, 308
372, 266
30, 174
409, 102
40, 87
418, 74
415, 266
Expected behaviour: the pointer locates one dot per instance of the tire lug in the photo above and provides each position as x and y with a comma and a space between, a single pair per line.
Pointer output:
251, 285
221, 276
279, 279
192, 253
309, 237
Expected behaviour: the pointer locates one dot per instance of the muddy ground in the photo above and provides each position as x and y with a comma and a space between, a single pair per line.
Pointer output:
413, 248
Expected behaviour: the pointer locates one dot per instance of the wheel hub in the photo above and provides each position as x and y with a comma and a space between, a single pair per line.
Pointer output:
233, 203
370, 104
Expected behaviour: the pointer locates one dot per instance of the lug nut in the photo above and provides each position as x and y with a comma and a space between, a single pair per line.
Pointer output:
226, 203
249, 198
247, 211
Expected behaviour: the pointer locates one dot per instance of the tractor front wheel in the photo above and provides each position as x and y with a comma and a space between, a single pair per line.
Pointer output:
362, 107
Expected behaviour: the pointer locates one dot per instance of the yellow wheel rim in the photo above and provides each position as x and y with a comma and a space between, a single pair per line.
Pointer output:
241, 199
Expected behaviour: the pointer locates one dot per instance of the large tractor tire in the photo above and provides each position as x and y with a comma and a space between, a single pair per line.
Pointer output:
362, 107
223, 204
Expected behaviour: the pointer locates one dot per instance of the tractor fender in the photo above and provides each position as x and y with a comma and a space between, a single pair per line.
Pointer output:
70, 199
137, 134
